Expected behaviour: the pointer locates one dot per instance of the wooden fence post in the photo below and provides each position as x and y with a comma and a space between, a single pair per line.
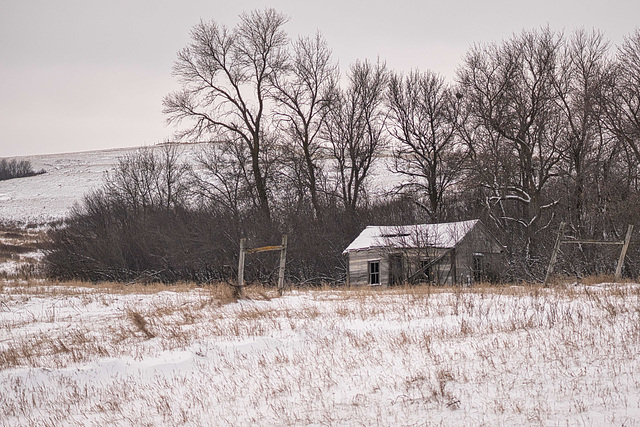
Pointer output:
283, 263
623, 252
240, 268
554, 255
560, 240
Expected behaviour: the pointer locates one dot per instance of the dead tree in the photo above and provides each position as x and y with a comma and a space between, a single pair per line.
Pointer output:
304, 100
513, 108
579, 81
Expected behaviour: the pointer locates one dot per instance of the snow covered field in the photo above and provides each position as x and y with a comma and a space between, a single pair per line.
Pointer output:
156, 355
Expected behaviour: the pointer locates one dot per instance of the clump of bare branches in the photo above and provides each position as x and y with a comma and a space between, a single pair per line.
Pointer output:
15, 168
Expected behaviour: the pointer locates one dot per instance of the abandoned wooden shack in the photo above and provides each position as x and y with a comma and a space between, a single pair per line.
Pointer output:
455, 253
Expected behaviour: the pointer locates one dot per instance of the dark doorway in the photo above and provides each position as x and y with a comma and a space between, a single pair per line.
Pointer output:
425, 268
396, 269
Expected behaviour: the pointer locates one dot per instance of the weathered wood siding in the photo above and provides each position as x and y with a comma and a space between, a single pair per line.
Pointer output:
358, 265
440, 271
455, 267
478, 241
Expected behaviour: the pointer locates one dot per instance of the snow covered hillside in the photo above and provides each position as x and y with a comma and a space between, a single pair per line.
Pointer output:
118, 355
48, 197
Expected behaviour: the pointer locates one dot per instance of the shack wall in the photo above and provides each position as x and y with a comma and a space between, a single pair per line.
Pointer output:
456, 265
480, 243
358, 267
358, 264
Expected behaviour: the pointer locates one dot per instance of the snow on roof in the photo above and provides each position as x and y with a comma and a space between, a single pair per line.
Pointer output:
444, 235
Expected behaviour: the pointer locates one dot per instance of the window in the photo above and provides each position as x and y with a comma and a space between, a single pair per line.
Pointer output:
478, 268
374, 272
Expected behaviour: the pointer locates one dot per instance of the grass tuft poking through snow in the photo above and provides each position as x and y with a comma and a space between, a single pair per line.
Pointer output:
78, 354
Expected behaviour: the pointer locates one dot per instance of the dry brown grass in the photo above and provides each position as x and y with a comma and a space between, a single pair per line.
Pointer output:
222, 292
141, 323
590, 280
18, 238
21, 248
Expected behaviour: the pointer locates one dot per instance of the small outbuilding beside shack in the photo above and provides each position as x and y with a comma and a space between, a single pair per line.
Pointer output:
454, 253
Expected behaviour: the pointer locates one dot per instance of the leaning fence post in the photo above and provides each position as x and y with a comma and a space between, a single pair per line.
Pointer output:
283, 263
554, 255
623, 252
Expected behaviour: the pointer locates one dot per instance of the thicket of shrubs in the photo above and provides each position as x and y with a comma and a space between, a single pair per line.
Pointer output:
14, 168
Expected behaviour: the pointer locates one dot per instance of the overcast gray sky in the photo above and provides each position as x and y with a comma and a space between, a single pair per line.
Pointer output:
84, 75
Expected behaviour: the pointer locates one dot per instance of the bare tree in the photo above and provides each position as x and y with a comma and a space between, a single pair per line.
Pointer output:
355, 127
423, 118
623, 97
220, 178
580, 79
173, 187
226, 75
303, 96
513, 106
